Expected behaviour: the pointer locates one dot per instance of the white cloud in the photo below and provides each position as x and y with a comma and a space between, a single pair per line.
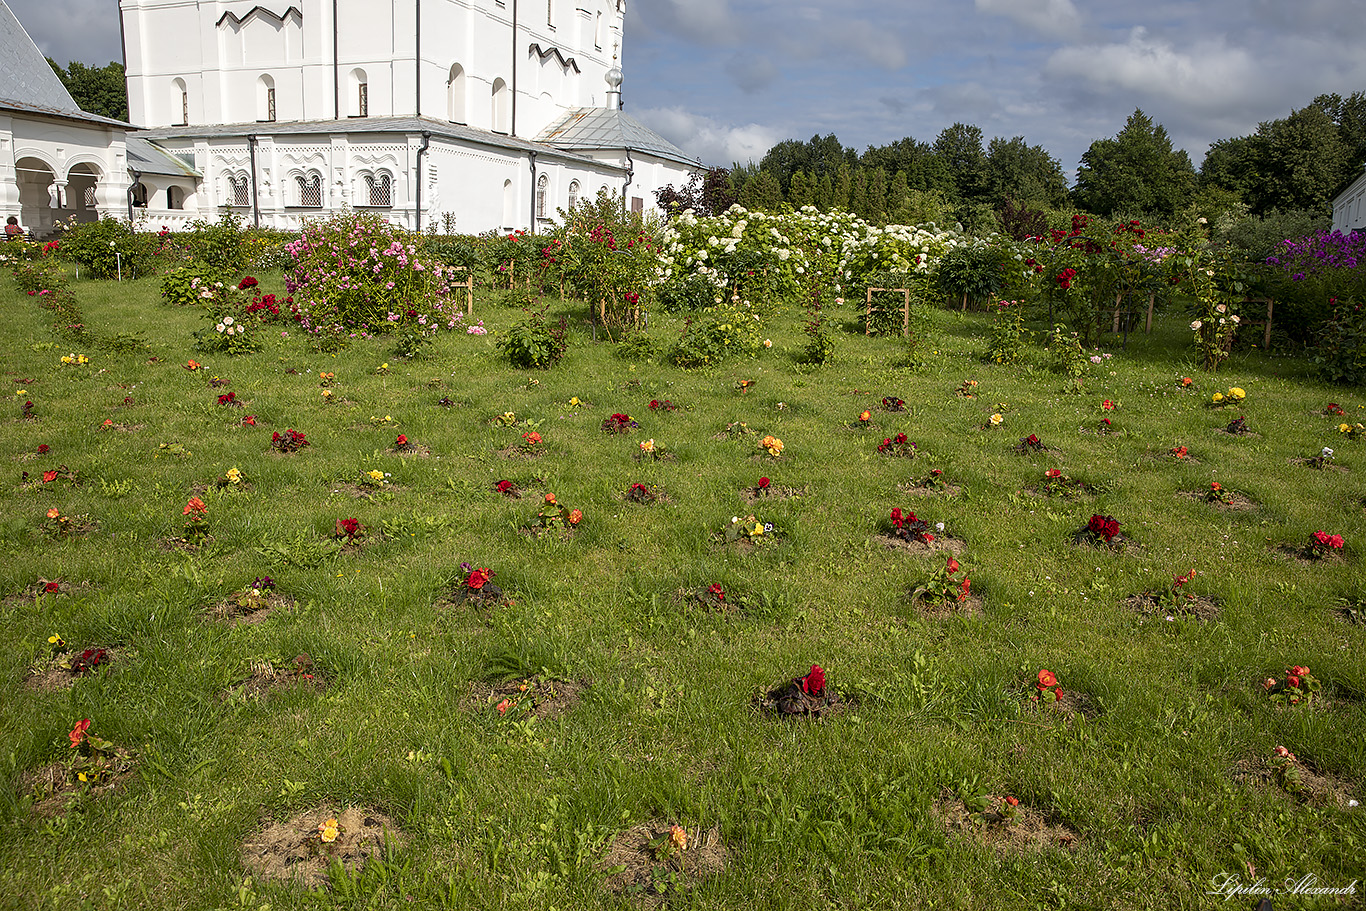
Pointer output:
1209, 75
1050, 17
713, 142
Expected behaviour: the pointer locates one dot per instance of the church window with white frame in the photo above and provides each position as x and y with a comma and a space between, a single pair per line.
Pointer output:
240, 190
542, 191
379, 190
573, 193
310, 190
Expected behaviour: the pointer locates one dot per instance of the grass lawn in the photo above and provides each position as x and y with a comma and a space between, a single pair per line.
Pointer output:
372, 692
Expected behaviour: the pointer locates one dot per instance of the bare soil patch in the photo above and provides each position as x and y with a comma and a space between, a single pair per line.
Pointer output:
293, 850
1315, 788
941, 544
1150, 605
535, 695
645, 862
971, 606
1027, 829
1237, 502
268, 677
249, 607
55, 787
771, 492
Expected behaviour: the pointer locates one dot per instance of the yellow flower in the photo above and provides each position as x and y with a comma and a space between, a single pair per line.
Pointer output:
768, 343
648, 446
328, 830
21, 392
758, 529
1218, 397
1236, 394
327, 394
54, 640
996, 419
234, 476
80, 776
376, 475
574, 402
1345, 428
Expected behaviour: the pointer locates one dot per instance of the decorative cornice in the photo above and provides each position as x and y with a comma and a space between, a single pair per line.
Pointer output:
566, 62
259, 11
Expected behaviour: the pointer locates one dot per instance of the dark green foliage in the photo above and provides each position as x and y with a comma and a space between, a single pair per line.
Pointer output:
181, 286
1341, 353
107, 247
971, 273
1135, 172
535, 343
218, 243
95, 89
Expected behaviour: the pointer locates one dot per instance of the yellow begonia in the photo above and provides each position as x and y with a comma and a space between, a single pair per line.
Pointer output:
377, 475
1236, 393
1218, 397
234, 476
328, 830
996, 419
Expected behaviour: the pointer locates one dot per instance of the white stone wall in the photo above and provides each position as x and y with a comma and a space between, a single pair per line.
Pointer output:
46, 164
1349, 208
220, 50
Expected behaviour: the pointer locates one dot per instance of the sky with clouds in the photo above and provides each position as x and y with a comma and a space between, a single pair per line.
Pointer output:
726, 79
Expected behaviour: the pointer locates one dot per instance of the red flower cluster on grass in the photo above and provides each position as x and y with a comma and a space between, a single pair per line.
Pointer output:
505, 486
1179, 451
763, 483
716, 591
618, 423
898, 443
1103, 527
1321, 543
813, 684
666, 405
43, 448
350, 529
1107, 405
78, 734
289, 441
249, 421
401, 441
477, 578
228, 398
907, 526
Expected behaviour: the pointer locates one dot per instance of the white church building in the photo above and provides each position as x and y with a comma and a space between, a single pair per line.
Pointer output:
481, 114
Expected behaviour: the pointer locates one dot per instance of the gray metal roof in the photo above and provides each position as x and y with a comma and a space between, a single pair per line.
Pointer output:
146, 157
438, 128
27, 83
604, 128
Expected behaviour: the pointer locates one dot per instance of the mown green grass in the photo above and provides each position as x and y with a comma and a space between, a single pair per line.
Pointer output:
835, 813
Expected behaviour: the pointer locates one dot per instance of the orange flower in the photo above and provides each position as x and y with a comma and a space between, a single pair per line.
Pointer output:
1013, 801
194, 507
575, 516
866, 415
550, 499
504, 706
53, 513
192, 365
1047, 679
532, 438
78, 732
1186, 381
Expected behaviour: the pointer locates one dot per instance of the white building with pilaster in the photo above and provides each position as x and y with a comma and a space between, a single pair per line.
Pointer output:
56, 161
484, 114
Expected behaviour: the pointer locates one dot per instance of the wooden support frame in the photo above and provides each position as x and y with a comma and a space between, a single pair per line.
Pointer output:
468, 285
1270, 309
905, 310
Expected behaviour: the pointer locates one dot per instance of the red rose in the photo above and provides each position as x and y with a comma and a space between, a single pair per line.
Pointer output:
504, 486
477, 578
401, 441
763, 483
52, 587
813, 684
716, 590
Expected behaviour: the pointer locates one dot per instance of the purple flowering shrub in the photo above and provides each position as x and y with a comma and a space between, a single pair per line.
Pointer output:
1311, 276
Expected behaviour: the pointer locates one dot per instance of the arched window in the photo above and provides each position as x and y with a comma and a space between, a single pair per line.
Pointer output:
509, 207
380, 189
542, 190
502, 113
240, 190
310, 190
573, 193
175, 198
360, 93
597, 31
455, 94
180, 100
265, 99
139, 192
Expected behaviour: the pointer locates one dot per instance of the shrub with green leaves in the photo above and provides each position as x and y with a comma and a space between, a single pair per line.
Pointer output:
718, 333
107, 248
1007, 333
534, 343
1341, 351
186, 285
216, 243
